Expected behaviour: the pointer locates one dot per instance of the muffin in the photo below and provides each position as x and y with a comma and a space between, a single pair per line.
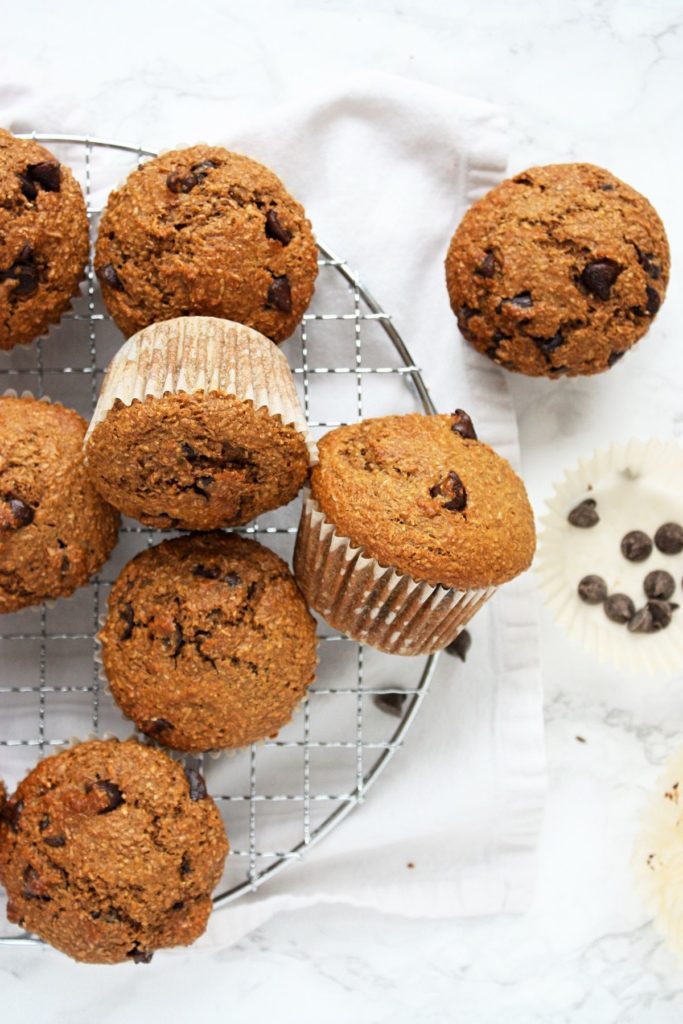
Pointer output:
198, 426
55, 529
110, 850
410, 525
208, 642
558, 271
203, 231
43, 239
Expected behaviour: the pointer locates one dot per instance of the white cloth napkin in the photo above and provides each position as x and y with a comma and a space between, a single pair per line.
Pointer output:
386, 168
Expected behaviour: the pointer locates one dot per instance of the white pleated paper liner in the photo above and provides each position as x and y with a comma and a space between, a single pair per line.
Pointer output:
638, 485
371, 603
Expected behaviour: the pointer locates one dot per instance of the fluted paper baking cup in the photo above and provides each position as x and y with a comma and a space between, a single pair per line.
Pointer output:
202, 354
371, 603
637, 486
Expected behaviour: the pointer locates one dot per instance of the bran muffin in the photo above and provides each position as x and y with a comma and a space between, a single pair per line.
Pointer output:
410, 525
208, 642
203, 231
198, 426
43, 239
110, 850
558, 271
55, 529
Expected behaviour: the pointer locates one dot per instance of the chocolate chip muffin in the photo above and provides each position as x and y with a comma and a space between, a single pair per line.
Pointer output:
208, 642
209, 232
558, 271
198, 426
110, 850
55, 529
43, 239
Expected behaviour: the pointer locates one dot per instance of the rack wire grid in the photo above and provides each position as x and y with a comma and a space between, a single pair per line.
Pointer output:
281, 796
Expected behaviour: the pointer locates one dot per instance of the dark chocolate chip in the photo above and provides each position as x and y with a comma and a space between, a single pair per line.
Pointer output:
232, 579
642, 621
158, 725
27, 278
189, 452
598, 277
487, 267
206, 572
636, 546
34, 887
111, 791
127, 614
460, 646
548, 345
650, 264
275, 230
450, 487
15, 514
614, 357
390, 703
669, 539
178, 905
592, 589
47, 174
65, 564
280, 294
466, 313
177, 183
661, 612
44, 822
196, 783
55, 841
185, 866
522, 301
585, 514
201, 169
110, 277
606, 187
11, 813
201, 485
619, 608
659, 584
28, 187
653, 300
139, 956
462, 424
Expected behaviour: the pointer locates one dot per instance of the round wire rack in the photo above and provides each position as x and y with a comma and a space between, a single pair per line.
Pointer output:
281, 796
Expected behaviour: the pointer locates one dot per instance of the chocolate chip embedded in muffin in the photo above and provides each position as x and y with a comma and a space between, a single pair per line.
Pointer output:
203, 231
43, 239
558, 271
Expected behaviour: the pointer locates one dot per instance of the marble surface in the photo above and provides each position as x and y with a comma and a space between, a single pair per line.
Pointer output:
598, 81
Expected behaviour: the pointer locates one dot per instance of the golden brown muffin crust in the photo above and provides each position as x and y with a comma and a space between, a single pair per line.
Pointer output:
55, 529
209, 232
416, 495
208, 642
110, 850
43, 239
558, 271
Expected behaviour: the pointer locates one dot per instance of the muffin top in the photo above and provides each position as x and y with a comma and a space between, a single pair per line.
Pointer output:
43, 239
208, 642
210, 232
110, 850
558, 271
422, 494
55, 529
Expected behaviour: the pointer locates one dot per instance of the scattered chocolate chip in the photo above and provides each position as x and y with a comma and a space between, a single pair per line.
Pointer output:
450, 487
592, 589
585, 514
521, 301
598, 277
15, 513
460, 646
127, 614
614, 357
55, 841
661, 613
548, 345
653, 300
659, 584
177, 183
47, 174
487, 267
462, 424
650, 264
185, 866
206, 572
275, 230
11, 813
619, 608
111, 791
669, 539
280, 294
390, 703
110, 277
139, 956
28, 187
196, 783
642, 621
636, 546
232, 579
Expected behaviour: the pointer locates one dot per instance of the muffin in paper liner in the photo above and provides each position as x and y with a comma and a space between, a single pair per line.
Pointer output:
371, 603
636, 485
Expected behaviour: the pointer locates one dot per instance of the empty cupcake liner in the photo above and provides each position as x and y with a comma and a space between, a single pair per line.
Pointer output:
204, 355
636, 485
372, 603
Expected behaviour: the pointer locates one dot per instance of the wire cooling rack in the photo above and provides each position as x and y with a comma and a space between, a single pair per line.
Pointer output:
282, 796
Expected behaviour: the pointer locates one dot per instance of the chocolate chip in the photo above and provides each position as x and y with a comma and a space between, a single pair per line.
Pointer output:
206, 572
27, 278
44, 822
48, 174
592, 589
606, 187
619, 608
196, 783
636, 546
11, 813
111, 791
157, 726
661, 612
15, 514
65, 564
653, 300
139, 956
462, 424
642, 621
185, 866
460, 646
189, 452
232, 579
451, 487
390, 703
110, 277
521, 301
178, 905
127, 614
669, 539
466, 313
548, 345
280, 294
276, 230
28, 187
650, 264
202, 168
614, 357
201, 485
598, 277
55, 841
585, 514
177, 183
659, 584
487, 267
34, 887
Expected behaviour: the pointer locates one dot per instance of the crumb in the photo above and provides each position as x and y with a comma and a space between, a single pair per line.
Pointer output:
580, 739
410, 864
